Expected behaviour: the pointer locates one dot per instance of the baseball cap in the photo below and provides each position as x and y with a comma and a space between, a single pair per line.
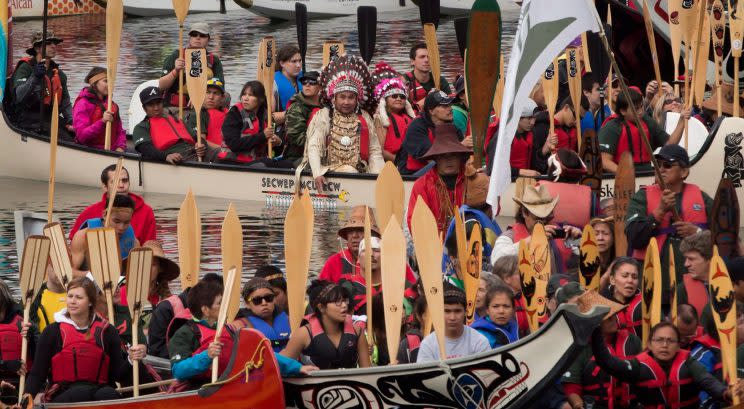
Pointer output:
435, 99
200, 27
216, 83
529, 108
568, 291
150, 94
674, 153
459, 85
310, 77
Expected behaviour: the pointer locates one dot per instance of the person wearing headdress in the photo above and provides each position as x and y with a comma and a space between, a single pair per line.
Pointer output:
341, 137
394, 111
90, 114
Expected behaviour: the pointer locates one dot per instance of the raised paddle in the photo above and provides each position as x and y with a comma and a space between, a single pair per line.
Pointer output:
539, 253
59, 255
367, 260
675, 36
367, 28
650, 290
461, 241
585, 48
550, 90
717, 33
138, 288
42, 90
472, 271
498, 97
266, 64
672, 273
332, 50
429, 12
723, 305
181, 8
114, 188
105, 262
53, 135
736, 34
624, 191
426, 243
393, 264
526, 276
589, 262
114, 19
687, 18
724, 226
32, 273
461, 32
231, 242
188, 229
702, 50
389, 194
482, 68
432, 46
301, 23
298, 242
652, 43
574, 89
196, 82
225, 305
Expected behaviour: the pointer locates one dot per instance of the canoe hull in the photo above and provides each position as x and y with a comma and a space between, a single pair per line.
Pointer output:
149, 8
30, 9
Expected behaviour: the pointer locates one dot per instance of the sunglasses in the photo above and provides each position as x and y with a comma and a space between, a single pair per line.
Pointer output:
398, 96
671, 101
308, 82
260, 299
200, 35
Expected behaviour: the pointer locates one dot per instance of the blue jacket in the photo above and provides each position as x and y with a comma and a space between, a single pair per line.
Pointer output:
497, 335
278, 334
285, 89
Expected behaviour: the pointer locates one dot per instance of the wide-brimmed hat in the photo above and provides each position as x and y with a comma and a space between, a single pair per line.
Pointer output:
727, 99
39, 37
537, 200
592, 298
168, 269
446, 140
356, 221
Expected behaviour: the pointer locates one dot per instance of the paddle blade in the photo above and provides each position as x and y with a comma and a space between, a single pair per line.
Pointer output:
60, 255
427, 245
429, 12
224, 314
393, 257
529, 284
298, 230
589, 263
432, 46
461, 240
367, 26
597, 56
461, 32
139, 267
33, 266
389, 194
472, 272
624, 191
188, 229
301, 22
651, 290
103, 255
539, 255
725, 220
181, 7
266, 63
232, 258
723, 305
196, 75
332, 50
114, 20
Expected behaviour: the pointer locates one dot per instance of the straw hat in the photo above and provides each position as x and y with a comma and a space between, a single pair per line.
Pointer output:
591, 298
537, 200
727, 102
445, 141
168, 269
356, 221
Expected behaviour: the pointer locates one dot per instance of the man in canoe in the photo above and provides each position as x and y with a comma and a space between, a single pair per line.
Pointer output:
212, 114
174, 66
342, 137
419, 80
594, 117
31, 76
143, 218
352, 232
298, 115
693, 288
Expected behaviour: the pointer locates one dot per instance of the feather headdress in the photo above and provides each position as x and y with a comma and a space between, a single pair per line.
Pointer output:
388, 82
347, 73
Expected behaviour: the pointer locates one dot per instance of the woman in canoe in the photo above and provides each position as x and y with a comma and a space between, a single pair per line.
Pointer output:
394, 112
499, 325
90, 114
329, 339
262, 313
603, 231
244, 131
80, 352
624, 282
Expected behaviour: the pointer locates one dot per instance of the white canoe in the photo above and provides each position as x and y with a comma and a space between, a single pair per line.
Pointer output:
284, 10
35, 9
149, 8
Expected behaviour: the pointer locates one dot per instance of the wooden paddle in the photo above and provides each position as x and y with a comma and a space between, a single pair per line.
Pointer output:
60, 255
181, 7
624, 191
196, 82
53, 136
367, 260
32, 273
574, 89
589, 262
590, 154
367, 28
672, 286
482, 69
389, 194
188, 229
432, 46
652, 43
675, 36
393, 264
113, 190
114, 20
687, 24
266, 68
702, 50
585, 48
717, 32
298, 242
332, 50
225, 305
138, 288
723, 305
724, 227
736, 34
472, 272
539, 253
527, 279
461, 241
426, 243
550, 90
498, 97
231, 241
651, 290
105, 262
301, 23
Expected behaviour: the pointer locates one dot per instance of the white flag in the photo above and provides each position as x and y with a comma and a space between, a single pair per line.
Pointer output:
546, 27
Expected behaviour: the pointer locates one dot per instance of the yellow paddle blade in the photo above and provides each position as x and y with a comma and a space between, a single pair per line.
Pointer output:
535, 285
651, 292
189, 241
139, 267
589, 263
196, 75
461, 241
298, 231
540, 253
332, 50
389, 194
723, 305
367, 260
224, 314
393, 258
60, 255
105, 262
428, 255
181, 7
33, 266
430, 37
672, 286
231, 241
472, 271
114, 20
550, 89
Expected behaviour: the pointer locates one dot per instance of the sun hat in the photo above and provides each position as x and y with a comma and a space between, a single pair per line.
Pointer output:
537, 200
446, 140
38, 38
169, 270
356, 221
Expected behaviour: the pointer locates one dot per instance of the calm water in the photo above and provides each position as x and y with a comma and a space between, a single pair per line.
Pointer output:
145, 43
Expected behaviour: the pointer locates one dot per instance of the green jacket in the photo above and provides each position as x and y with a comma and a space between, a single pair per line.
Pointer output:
460, 116
213, 62
296, 120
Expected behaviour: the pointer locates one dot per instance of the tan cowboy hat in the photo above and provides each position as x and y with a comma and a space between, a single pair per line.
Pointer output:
168, 269
727, 102
591, 298
356, 221
537, 200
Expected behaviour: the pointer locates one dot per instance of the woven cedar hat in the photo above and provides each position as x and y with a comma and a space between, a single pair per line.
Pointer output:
591, 298
445, 141
356, 221
169, 270
347, 73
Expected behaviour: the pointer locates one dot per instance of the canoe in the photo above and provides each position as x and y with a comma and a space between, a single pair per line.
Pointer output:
30, 9
284, 10
149, 8
513, 376
261, 388
28, 223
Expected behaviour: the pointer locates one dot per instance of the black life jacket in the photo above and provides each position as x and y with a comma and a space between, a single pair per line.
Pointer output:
322, 351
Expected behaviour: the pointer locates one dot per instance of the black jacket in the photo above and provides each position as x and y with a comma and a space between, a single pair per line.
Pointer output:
161, 317
416, 142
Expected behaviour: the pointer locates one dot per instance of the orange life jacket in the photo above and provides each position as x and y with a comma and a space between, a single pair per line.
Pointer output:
214, 127
166, 131
697, 293
630, 140
396, 131
53, 86
626, 319
82, 357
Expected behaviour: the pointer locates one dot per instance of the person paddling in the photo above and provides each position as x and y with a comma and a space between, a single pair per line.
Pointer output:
90, 114
212, 114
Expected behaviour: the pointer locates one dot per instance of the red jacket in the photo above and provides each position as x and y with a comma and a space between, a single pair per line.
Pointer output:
425, 186
340, 264
143, 219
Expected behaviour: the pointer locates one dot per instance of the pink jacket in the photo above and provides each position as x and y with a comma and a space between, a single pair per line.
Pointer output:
90, 131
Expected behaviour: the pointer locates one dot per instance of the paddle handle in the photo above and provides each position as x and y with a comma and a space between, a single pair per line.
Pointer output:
198, 131
181, 73
24, 349
53, 137
736, 87
110, 305
135, 364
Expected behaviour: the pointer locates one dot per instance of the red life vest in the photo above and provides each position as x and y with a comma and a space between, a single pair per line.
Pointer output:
181, 317
630, 140
214, 127
520, 156
626, 319
166, 131
396, 131
697, 293
670, 386
10, 340
247, 132
520, 312
416, 91
82, 357
693, 211
53, 86
566, 137
414, 164
206, 337
608, 389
